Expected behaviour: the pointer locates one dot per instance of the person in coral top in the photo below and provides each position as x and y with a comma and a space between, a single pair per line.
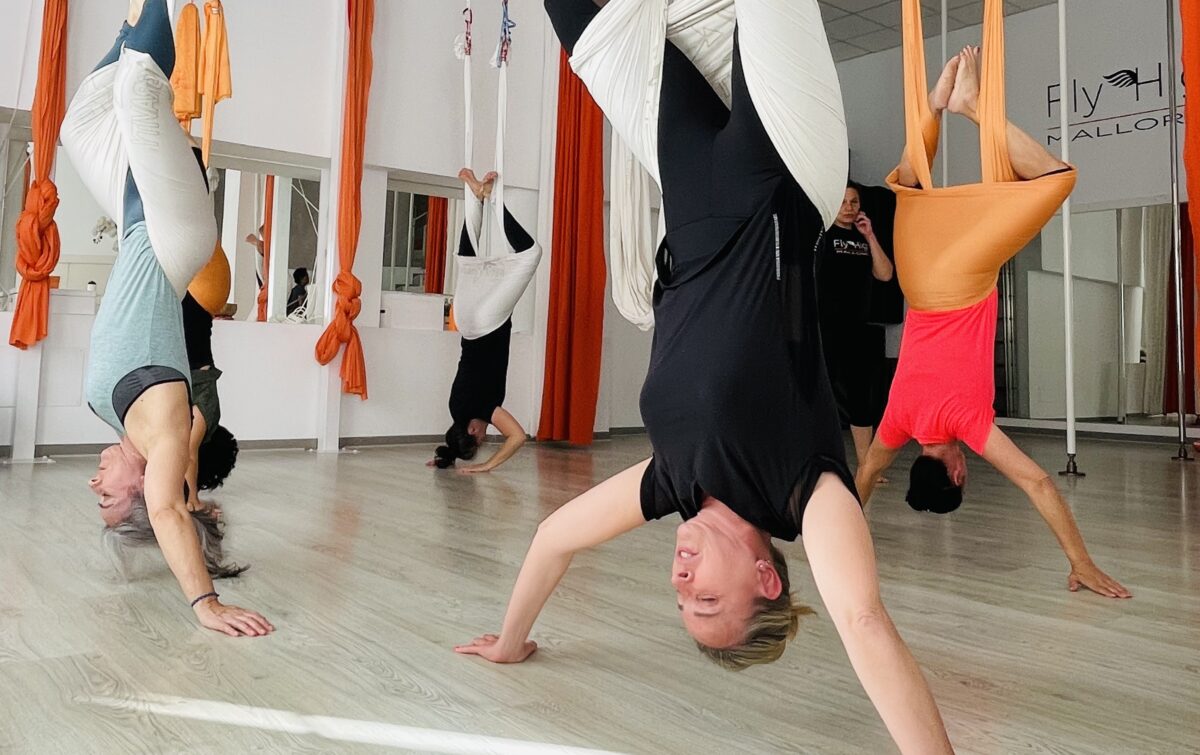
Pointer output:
944, 388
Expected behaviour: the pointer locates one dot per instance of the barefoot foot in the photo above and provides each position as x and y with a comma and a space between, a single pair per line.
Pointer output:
467, 176
964, 99
939, 98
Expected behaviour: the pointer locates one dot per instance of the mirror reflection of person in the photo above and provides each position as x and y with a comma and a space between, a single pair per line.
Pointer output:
256, 240
299, 295
477, 395
850, 258
138, 371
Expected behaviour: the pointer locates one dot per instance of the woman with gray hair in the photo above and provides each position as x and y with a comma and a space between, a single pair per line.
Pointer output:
122, 136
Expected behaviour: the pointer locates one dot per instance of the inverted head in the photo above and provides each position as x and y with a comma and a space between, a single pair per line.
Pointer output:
936, 480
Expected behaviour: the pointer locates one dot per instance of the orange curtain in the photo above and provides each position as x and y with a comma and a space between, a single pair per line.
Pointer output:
38, 243
361, 19
185, 80
575, 331
1189, 14
435, 245
268, 224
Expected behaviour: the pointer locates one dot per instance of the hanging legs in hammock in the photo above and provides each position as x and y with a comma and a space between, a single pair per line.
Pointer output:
957, 91
517, 237
121, 134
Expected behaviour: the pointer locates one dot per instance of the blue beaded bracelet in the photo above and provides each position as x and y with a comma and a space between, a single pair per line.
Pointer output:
205, 596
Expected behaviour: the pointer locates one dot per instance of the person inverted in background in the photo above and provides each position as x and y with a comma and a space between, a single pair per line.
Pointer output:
122, 136
737, 404
944, 388
850, 258
477, 394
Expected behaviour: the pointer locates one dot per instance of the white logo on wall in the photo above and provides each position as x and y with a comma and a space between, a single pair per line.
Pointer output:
1122, 103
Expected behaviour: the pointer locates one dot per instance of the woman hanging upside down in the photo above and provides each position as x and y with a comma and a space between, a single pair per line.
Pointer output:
477, 395
944, 385
737, 404
123, 138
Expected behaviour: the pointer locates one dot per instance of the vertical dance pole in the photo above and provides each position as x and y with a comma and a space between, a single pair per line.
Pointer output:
1072, 469
945, 121
1177, 236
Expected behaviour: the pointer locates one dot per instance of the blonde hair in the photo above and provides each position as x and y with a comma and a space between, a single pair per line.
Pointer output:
773, 624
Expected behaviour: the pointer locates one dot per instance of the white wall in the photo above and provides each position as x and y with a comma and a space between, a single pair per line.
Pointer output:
416, 111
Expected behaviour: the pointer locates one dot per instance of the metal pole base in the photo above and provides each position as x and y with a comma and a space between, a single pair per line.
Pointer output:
1182, 454
1072, 469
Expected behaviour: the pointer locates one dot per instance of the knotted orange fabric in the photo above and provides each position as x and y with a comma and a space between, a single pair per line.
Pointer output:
341, 330
185, 80
38, 243
268, 224
215, 79
952, 241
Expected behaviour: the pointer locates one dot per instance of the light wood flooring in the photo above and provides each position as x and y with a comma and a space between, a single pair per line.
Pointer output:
372, 567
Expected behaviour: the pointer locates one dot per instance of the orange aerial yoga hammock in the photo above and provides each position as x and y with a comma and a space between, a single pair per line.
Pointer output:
360, 63
185, 80
951, 241
210, 287
38, 243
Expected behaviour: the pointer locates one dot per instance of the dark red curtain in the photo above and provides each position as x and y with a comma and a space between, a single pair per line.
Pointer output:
1170, 396
435, 245
575, 331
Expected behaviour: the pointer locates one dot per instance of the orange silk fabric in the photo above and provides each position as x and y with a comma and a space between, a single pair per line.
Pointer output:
951, 241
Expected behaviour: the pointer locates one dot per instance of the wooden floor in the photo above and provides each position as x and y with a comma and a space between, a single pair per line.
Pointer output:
372, 567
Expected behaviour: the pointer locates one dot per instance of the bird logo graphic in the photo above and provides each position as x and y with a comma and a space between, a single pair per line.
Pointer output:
1123, 78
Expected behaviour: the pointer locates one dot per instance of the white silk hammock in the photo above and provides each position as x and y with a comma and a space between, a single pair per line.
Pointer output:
490, 284
792, 81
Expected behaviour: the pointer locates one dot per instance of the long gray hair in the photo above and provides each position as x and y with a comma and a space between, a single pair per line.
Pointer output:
137, 532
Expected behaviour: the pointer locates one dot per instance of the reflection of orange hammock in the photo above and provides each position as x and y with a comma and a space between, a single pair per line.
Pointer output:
952, 241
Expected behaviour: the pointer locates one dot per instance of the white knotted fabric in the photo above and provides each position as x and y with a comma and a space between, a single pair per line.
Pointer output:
792, 81
488, 285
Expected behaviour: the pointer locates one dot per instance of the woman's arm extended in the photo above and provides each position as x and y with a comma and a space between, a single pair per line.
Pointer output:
611, 508
842, 559
514, 438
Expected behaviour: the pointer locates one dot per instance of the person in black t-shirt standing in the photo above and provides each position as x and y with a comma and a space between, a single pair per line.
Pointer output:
850, 257
481, 381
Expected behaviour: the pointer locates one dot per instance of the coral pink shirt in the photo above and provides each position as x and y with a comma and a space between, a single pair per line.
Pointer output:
945, 382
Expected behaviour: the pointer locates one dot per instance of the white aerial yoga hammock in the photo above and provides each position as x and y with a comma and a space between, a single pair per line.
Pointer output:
490, 284
792, 81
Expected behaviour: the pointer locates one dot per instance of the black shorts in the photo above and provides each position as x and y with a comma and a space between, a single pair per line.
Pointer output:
854, 358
